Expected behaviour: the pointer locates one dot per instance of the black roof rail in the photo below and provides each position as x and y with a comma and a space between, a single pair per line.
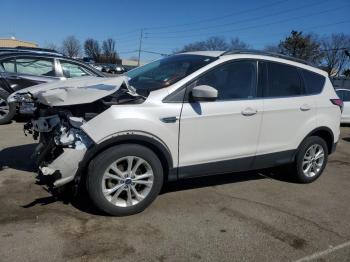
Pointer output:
260, 52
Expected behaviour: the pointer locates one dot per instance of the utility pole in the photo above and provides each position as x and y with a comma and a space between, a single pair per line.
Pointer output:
140, 46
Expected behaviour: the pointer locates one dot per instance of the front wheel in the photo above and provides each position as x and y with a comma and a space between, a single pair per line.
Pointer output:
311, 159
125, 179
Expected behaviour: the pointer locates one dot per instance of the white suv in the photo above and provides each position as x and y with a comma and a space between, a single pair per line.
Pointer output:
187, 115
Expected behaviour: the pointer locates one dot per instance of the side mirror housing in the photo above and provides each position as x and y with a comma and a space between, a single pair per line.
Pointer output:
204, 93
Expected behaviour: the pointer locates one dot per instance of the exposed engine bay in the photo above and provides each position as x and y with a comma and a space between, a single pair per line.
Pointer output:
56, 123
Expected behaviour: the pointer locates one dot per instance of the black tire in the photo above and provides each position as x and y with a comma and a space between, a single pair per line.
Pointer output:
6, 117
298, 164
98, 166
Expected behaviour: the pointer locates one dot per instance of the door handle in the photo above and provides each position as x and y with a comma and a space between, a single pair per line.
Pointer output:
249, 111
305, 107
170, 119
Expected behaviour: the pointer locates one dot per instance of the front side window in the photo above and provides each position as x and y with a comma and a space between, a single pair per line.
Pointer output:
313, 82
71, 70
282, 81
165, 72
236, 80
35, 66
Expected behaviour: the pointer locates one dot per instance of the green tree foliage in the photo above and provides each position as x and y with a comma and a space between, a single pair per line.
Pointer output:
301, 46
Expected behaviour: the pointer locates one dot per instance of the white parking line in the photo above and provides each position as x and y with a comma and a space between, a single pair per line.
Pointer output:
323, 253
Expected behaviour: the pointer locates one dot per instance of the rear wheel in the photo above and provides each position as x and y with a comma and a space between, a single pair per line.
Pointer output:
125, 179
7, 110
311, 159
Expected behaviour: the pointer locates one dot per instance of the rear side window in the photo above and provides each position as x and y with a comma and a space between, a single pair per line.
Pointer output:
35, 66
313, 82
282, 81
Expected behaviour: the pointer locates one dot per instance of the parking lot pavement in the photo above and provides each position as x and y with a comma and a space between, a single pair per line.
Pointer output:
236, 217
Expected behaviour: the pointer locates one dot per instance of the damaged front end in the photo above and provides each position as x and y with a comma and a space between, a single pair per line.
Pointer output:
59, 112
62, 145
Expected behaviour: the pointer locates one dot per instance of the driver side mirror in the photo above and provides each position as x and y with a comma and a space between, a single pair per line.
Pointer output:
204, 93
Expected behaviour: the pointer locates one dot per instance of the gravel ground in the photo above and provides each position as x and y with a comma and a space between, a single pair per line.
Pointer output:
255, 216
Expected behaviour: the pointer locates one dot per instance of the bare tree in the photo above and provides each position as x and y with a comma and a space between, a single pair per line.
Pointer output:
92, 49
236, 44
301, 46
212, 43
109, 52
272, 49
333, 48
52, 46
71, 47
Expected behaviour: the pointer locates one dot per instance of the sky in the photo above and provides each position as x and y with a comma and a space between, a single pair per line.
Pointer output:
169, 25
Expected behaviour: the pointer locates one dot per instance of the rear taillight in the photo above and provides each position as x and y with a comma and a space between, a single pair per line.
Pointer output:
338, 102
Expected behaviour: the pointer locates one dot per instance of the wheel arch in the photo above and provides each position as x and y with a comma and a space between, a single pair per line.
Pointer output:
326, 134
156, 145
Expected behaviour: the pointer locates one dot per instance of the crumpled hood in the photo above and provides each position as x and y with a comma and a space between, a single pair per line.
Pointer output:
75, 91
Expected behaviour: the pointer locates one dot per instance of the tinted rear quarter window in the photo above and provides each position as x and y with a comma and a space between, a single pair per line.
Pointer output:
313, 82
282, 81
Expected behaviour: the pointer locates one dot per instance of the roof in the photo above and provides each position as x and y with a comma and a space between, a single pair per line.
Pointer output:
31, 53
21, 49
250, 52
271, 54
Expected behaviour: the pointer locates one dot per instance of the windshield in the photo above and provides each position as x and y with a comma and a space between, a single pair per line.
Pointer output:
165, 72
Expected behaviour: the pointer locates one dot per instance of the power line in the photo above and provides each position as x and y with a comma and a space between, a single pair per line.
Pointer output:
256, 26
267, 36
219, 17
242, 20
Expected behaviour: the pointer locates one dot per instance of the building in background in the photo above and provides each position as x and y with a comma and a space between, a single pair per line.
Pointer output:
130, 64
13, 42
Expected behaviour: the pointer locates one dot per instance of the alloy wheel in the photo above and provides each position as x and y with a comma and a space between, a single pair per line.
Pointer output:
127, 181
313, 160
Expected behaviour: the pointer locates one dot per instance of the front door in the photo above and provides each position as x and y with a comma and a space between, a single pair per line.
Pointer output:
221, 136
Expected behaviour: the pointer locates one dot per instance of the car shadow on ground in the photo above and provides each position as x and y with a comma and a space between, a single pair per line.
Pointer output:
79, 199
19, 158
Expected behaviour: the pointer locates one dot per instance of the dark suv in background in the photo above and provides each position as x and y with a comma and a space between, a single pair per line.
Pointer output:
21, 68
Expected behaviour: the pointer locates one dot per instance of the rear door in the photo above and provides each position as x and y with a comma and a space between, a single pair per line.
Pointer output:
288, 116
